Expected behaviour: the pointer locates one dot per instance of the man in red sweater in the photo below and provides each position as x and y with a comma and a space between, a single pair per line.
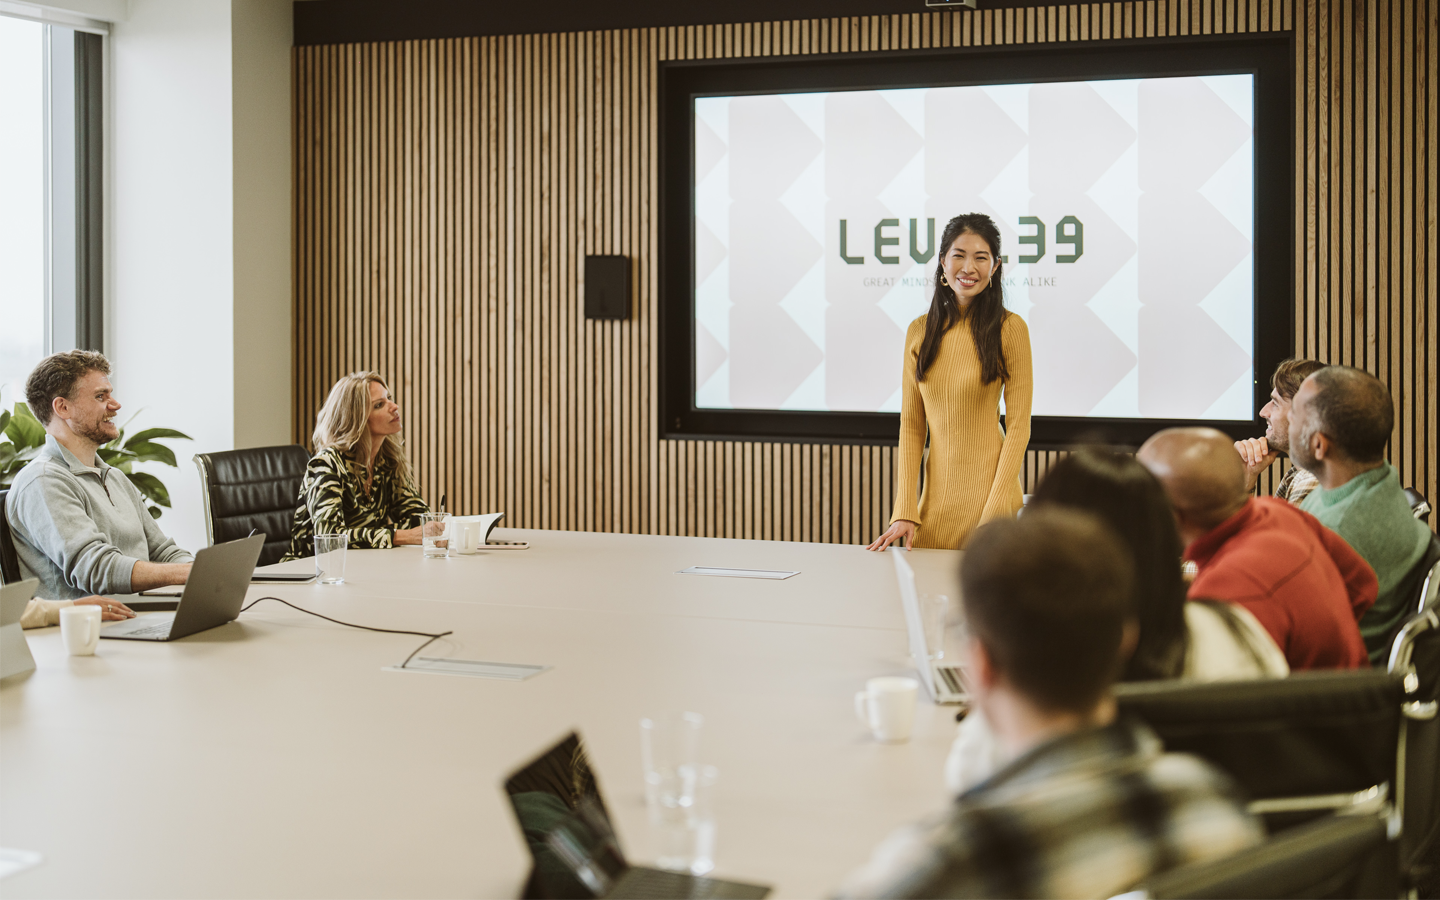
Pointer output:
1300, 579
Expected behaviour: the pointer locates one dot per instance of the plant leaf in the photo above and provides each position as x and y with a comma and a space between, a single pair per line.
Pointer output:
150, 486
146, 451
151, 434
4, 419
23, 430
154, 512
114, 455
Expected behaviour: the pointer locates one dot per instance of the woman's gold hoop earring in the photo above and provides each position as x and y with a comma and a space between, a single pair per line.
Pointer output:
942, 280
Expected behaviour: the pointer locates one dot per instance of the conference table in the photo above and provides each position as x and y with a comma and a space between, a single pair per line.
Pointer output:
277, 755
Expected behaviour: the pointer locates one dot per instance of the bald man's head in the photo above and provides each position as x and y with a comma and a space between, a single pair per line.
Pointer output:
1202, 474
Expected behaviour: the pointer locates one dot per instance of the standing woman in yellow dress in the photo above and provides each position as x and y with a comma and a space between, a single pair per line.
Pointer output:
959, 358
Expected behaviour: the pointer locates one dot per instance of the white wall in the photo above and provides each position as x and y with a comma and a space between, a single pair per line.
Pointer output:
102, 10
198, 226
260, 57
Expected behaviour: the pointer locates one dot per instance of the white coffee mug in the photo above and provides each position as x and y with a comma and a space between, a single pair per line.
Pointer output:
887, 707
464, 534
80, 629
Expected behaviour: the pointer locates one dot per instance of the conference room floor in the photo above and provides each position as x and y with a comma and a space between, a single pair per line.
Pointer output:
274, 756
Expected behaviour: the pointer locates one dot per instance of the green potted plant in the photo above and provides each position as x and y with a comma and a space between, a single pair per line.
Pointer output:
22, 436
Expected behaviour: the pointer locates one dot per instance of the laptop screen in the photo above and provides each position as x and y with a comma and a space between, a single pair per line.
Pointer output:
566, 827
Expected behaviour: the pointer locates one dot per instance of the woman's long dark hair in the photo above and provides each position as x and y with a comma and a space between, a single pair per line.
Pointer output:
1121, 491
986, 312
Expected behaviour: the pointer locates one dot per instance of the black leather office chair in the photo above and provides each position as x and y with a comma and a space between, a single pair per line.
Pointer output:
1337, 856
255, 489
1297, 746
1419, 506
9, 562
1415, 657
1420, 580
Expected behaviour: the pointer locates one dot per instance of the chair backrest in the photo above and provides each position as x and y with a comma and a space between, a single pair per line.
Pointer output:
258, 489
1415, 647
1337, 856
1419, 506
9, 562
1312, 735
1415, 656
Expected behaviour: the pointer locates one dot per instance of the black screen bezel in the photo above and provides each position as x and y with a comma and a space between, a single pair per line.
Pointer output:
1268, 57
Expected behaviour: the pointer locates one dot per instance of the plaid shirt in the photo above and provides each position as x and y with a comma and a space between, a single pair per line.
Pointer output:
1296, 485
1089, 814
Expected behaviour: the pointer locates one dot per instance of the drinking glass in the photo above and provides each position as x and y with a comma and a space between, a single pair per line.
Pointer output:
684, 823
330, 557
934, 613
433, 534
677, 791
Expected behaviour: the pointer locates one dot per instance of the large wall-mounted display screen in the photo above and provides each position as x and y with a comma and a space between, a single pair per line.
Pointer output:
1130, 223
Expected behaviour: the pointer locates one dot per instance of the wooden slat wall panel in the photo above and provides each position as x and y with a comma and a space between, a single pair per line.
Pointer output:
446, 193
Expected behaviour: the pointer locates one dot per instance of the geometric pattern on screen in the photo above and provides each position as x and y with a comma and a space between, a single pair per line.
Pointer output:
1126, 211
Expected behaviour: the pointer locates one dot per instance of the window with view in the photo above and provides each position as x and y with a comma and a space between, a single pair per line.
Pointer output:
50, 132
22, 202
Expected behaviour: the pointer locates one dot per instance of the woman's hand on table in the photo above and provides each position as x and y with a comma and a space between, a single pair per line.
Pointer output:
899, 530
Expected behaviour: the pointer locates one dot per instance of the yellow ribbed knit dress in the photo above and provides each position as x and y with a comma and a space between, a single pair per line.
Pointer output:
973, 471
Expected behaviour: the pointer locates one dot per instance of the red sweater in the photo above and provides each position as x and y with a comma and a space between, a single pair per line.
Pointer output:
1299, 578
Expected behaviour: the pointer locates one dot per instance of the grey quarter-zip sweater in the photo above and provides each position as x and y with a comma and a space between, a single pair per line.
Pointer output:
80, 530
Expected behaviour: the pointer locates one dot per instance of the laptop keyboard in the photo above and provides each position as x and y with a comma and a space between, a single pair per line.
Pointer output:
951, 676
159, 631
657, 884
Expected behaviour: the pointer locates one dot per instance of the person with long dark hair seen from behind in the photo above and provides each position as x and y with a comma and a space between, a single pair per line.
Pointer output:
1204, 640
1199, 640
960, 358
358, 482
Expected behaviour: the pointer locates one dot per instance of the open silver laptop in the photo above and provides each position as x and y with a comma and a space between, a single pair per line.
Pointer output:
15, 655
944, 681
213, 595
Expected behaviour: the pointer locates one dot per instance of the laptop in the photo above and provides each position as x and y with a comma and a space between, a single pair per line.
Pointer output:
213, 595
15, 655
573, 846
944, 681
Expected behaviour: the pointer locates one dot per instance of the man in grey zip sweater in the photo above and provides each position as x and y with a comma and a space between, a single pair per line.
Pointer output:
79, 525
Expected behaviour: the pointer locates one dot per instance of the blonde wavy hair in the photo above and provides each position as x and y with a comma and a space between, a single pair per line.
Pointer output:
344, 424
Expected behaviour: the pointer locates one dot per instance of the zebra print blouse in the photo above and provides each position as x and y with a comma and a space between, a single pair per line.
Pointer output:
333, 501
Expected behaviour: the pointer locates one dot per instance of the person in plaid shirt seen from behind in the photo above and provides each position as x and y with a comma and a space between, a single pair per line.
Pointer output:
1091, 804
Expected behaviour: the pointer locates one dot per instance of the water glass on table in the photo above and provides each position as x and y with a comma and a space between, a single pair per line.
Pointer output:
433, 534
934, 613
678, 792
330, 557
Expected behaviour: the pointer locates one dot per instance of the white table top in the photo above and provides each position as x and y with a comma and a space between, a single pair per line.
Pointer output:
274, 757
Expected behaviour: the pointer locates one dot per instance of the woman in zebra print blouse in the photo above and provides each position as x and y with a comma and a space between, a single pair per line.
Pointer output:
359, 481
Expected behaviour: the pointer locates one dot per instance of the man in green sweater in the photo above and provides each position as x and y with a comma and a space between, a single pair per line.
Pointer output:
1340, 421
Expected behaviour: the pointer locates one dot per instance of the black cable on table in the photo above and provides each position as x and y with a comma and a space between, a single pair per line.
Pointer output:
425, 634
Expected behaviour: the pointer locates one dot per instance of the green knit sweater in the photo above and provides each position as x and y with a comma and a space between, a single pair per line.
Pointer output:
1371, 513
